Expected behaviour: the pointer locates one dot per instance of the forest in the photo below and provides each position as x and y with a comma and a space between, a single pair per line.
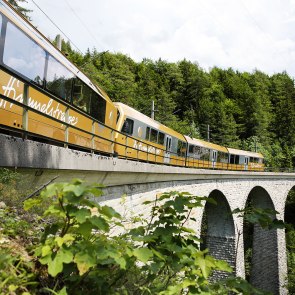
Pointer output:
252, 111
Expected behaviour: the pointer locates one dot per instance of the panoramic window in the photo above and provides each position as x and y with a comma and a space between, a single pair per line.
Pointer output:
147, 134
23, 55
161, 138
154, 135
232, 159
205, 154
97, 107
128, 126
59, 79
181, 148
82, 96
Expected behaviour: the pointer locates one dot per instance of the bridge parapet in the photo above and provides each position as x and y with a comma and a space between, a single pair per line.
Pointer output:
40, 162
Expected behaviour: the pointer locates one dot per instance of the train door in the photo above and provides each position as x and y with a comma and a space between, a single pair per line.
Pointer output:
246, 163
168, 145
214, 158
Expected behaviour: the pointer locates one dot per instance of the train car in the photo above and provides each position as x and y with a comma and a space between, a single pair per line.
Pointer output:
203, 154
244, 160
145, 139
44, 95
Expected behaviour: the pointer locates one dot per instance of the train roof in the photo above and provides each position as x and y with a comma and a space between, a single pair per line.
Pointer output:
132, 113
205, 144
244, 153
39, 38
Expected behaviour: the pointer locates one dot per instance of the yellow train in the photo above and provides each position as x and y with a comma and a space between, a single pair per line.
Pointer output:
145, 139
44, 96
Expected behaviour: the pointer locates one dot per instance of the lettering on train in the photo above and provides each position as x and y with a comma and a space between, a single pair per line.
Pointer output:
10, 90
144, 148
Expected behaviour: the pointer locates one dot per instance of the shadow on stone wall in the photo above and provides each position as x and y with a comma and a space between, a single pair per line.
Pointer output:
261, 247
218, 232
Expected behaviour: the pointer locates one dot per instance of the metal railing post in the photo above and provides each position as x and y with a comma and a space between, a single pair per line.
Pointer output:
25, 119
66, 128
93, 136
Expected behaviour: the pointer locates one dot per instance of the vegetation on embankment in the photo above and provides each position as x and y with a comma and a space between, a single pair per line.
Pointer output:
63, 242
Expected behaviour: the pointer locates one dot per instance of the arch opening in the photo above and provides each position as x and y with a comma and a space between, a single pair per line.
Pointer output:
261, 246
218, 232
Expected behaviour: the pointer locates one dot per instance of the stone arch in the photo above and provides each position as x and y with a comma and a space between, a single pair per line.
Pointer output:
264, 271
218, 232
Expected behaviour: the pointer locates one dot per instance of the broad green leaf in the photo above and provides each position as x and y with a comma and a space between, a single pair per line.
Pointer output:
81, 214
64, 255
158, 254
109, 212
143, 254
52, 189
55, 266
121, 261
12, 288
45, 260
187, 229
46, 250
63, 291
77, 181
78, 189
97, 192
99, 223
28, 204
66, 238
85, 229
84, 262
55, 210
179, 203
223, 265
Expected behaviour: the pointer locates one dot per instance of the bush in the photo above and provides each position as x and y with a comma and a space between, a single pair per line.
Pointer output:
79, 253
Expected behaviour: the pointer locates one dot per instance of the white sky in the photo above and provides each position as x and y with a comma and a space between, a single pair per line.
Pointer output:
242, 34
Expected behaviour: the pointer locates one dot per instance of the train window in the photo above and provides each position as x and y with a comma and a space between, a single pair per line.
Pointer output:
198, 152
232, 159
97, 107
237, 159
191, 149
59, 79
154, 135
128, 126
223, 157
181, 148
82, 96
147, 134
161, 138
205, 154
24, 55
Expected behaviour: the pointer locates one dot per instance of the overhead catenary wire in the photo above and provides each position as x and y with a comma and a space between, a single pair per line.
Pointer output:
82, 23
56, 26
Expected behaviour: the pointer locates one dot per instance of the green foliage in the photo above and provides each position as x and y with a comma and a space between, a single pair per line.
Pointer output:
290, 239
85, 248
8, 191
265, 217
16, 5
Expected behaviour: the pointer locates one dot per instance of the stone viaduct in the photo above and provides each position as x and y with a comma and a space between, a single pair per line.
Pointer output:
40, 162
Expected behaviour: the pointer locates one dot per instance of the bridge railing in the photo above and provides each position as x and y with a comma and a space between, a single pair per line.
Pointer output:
150, 156
24, 131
